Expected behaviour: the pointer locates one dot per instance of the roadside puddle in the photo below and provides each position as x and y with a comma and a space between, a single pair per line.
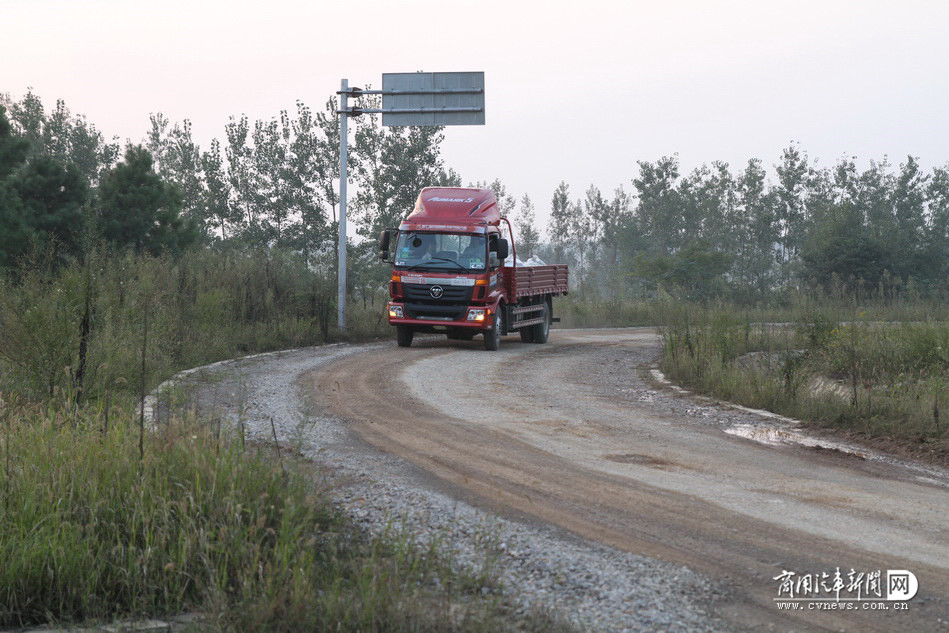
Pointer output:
774, 436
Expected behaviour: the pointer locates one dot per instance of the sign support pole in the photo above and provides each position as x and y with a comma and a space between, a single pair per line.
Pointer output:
407, 99
343, 178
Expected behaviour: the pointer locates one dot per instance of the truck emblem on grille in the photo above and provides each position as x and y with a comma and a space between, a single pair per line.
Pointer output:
437, 292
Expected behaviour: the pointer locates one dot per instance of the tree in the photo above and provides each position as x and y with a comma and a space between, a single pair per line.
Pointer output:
219, 212
581, 231
271, 174
178, 159
659, 214
29, 116
528, 238
326, 156
40, 198
757, 228
15, 234
241, 178
790, 194
694, 272
60, 135
614, 221
842, 249
137, 209
310, 172
596, 210
909, 214
558, 230
391, 165
51, 196
937, 234
13, 148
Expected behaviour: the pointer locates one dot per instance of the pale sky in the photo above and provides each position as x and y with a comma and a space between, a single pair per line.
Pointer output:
577, 91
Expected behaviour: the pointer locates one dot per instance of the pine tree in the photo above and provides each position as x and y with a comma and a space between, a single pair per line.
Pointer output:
51, 196
137, 209
41, 198
13, 148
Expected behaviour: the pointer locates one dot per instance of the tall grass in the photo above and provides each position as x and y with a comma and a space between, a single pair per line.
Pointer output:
881, 378
89, 531
79, 327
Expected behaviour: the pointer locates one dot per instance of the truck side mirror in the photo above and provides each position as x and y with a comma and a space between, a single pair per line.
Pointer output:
385, 237
502, 249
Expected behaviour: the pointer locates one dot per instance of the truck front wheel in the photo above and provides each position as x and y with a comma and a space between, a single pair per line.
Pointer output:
492, 337
404, 335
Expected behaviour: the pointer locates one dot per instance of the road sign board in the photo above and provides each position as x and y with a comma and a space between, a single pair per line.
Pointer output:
460, 96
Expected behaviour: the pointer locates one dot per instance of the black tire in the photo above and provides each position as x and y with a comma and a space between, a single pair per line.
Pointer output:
492, 337
404, 335
541, 331
527, 334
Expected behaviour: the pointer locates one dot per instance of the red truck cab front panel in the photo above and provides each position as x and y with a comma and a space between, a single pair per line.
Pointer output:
446, 273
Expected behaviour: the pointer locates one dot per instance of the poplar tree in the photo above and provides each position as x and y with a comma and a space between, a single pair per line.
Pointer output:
528, 238
558, 230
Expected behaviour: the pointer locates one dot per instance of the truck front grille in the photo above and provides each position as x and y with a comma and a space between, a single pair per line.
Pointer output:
419, 303
457, 294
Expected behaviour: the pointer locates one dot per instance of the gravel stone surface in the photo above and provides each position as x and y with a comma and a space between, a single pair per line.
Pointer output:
594, 587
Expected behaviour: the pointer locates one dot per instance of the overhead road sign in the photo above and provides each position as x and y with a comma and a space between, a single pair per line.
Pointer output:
433, 98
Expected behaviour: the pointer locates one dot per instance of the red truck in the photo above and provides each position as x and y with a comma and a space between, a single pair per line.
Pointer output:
452, 274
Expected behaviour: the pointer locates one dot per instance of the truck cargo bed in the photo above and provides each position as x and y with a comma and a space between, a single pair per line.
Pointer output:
526, 281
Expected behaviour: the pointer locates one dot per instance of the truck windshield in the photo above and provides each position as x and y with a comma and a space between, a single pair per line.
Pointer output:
440, 251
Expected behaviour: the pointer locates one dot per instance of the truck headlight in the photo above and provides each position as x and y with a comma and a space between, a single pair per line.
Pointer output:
476, 314
395, 312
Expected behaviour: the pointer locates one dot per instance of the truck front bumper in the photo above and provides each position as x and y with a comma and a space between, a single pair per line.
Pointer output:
476, 318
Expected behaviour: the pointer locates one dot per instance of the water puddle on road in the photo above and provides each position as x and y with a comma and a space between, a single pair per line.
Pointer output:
774, 436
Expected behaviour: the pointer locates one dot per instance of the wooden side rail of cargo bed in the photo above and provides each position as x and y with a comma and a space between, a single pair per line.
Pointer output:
529, 281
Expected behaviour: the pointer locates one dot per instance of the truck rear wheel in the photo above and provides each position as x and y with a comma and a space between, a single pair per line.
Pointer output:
541, 331
492, 337
404, 335
527, 334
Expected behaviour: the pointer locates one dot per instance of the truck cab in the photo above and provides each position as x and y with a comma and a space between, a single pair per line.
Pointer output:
450, 273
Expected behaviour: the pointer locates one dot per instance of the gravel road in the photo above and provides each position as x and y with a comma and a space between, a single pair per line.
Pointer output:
595, 492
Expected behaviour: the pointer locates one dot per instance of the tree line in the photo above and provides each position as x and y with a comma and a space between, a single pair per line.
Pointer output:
748, 234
